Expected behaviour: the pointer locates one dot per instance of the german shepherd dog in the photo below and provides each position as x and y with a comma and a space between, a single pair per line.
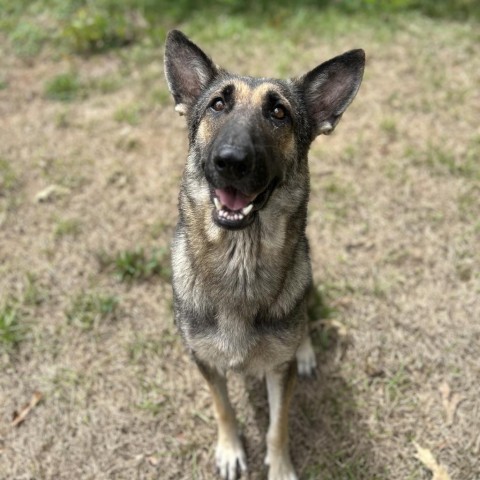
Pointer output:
241, 266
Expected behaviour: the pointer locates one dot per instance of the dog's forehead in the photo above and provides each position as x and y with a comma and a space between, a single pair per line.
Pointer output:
254, 91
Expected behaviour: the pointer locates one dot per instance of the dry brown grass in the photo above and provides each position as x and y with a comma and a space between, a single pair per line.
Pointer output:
395, 233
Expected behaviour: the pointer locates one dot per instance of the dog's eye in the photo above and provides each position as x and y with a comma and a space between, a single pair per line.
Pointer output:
217, 105
278, 113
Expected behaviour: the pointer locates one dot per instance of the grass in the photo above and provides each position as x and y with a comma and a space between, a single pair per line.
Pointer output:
27, 39
443, 161
137, 265
384, 263
33, 295
89, 28
12, 330
129, 114
94, 28
64, 87
67, 227
469, 203
389, 126
143, 348
318, 308
338, 198
8, 177
66, 171
396, 384
88, 310
160, 96
105, 84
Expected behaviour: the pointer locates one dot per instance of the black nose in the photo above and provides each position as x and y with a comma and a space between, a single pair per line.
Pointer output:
233, 163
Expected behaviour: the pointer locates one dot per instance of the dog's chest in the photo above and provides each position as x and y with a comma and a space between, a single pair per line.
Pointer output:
236, 344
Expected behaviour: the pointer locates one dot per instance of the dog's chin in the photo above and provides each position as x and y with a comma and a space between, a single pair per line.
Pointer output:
241, 213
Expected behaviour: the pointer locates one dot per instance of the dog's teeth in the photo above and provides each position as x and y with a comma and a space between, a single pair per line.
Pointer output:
247, 209
218, 204
228, 215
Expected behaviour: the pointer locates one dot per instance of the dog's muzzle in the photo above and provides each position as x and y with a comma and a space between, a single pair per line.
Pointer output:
237, 186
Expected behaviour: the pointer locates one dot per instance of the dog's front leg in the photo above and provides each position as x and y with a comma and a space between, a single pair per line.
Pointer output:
280, 383
230, 455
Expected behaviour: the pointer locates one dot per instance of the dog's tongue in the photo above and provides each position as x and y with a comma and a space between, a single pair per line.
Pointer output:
233, 199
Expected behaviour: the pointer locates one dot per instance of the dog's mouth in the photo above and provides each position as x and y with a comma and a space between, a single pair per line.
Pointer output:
234, 209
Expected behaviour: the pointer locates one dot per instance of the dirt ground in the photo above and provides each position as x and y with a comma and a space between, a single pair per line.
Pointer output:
394, 225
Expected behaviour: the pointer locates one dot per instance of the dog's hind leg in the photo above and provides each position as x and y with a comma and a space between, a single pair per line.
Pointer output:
230, 455
280, 383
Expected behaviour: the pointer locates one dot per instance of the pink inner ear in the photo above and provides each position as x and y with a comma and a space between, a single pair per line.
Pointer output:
233, 199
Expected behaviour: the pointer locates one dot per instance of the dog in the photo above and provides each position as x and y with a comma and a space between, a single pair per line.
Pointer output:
240, 255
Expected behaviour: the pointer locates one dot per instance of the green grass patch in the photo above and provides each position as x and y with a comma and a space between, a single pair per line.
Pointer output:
64, 87
89, 310
67, 227
8, 178
95, 28
318, 308
389, 126
128, 114
12, 330
152, 407
137, 265
27, 38
32, 293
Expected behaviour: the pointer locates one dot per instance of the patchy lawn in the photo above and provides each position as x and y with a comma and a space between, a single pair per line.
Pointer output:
91, 154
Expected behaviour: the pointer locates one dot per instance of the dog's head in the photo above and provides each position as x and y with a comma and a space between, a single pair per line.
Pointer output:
249, 135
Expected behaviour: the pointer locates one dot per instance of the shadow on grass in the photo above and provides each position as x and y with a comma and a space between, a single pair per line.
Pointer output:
328, 435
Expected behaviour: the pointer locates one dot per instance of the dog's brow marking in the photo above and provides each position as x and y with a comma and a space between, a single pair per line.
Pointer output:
242, 92
261, 92
255, 96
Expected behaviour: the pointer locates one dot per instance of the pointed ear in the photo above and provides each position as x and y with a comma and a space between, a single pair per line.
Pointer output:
187, 69
330, 88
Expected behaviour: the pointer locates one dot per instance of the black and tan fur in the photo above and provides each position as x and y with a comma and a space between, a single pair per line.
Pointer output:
241, 280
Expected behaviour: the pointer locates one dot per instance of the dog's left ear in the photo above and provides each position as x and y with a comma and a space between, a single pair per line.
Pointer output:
188, 70
330, 88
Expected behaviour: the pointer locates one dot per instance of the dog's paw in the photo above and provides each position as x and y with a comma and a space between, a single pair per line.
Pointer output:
306, 360
230, 458
280, 469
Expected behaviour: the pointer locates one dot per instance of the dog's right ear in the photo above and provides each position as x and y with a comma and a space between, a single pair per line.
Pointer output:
188, 70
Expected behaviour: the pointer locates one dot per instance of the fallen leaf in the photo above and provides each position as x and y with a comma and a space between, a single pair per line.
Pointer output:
426, 457
450, 402
50, 193
153, 461
19, 417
